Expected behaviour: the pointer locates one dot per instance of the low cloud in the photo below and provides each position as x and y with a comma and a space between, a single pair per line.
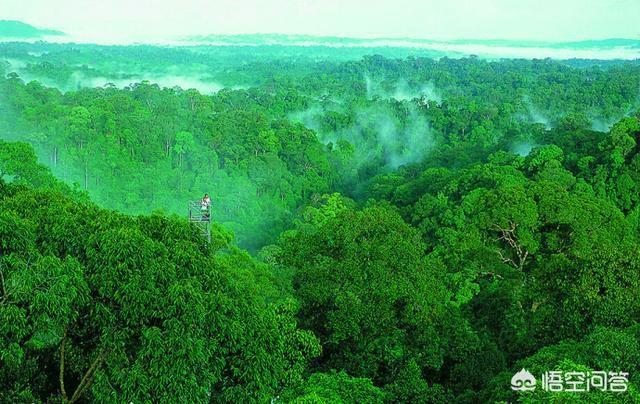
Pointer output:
81, 79
398, 137
400, 90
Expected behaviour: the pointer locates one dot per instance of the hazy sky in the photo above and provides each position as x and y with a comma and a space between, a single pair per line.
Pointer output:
136, 20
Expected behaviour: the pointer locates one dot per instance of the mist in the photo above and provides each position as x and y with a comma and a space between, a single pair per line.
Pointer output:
601, 123
397, 136
534, 114
401, 144
523, 148
400, 90
309, 118
78, 80
190, 78
451, 49
390, 129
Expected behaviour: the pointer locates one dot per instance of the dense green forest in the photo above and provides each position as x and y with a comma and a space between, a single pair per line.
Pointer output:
387, 229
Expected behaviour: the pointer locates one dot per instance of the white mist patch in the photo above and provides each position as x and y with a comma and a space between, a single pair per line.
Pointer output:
14, 65
19, 67
309, 118
79, 80
534, 114
401, 90
523, 148
600, 123
164, 81
538, 52
404, 92
537, 117
403, 145
376, 132
603, 124
452, 49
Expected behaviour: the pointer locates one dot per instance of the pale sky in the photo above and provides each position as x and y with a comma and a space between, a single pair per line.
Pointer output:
157, 20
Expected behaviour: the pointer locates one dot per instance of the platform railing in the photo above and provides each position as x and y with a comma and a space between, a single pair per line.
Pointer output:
201, 217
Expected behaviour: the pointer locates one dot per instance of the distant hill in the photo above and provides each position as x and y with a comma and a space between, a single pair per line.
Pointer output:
17, 29
607, 43
305, 40
591, 43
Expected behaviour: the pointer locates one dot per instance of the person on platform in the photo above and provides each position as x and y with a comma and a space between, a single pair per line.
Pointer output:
205, 205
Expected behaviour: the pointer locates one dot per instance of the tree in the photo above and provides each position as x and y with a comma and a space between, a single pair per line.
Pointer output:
184, 144
337, 387
368, 293
98, 306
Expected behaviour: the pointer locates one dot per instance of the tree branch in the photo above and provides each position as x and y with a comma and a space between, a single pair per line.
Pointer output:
61, 375
509, 235
87, 378
4, 291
